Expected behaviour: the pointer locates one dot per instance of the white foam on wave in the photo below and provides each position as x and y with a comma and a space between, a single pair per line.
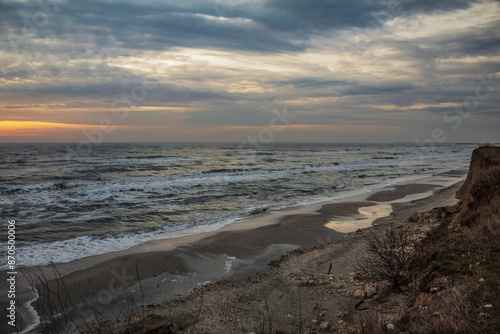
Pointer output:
138, 161
76, 248
100, 190
374, 187
85, 246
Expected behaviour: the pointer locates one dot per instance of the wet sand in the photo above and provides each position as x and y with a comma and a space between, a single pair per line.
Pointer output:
299, 278
400, 191
172, 269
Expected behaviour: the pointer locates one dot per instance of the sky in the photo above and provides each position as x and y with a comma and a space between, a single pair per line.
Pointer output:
250, 70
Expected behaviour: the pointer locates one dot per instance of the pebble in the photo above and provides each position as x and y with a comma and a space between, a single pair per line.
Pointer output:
325, 325
358, 294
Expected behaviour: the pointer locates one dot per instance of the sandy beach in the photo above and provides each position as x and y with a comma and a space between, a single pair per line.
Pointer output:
170, 270
245, 295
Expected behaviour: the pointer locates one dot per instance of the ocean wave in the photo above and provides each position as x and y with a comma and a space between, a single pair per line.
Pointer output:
178, 186
65, 251
138, 161
221, 176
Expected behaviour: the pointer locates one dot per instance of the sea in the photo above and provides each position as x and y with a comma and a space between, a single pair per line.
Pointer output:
70, 202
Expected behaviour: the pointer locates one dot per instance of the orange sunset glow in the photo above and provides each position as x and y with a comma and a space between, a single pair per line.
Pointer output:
219, 73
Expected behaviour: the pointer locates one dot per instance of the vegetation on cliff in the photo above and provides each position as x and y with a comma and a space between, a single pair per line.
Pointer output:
458, 288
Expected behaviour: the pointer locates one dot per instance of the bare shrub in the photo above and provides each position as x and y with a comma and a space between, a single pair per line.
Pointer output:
389, 257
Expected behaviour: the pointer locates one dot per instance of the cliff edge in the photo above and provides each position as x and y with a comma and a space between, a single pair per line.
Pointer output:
458, 279
480, 193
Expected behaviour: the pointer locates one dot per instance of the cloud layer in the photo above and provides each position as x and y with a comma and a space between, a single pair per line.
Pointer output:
393, 70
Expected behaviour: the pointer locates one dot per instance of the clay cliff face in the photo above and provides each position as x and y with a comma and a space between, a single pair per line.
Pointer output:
480, 194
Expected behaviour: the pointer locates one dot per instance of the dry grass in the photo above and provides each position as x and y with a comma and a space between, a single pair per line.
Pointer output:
464, 278
60, 313
371, 323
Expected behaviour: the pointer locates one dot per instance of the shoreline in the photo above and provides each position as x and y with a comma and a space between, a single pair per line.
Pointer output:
403, 191
173, 268
226, 302
173, 239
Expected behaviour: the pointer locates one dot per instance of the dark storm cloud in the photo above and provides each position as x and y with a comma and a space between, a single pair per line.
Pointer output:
261, 55
311, 87
383, 88
472, 41
14, 74
148, 27
275, 25
162, 93
478, 41
314, 15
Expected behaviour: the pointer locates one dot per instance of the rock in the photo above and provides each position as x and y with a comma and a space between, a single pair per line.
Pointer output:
325, 326
321, 314
351, 277
390, 327
360, 294
343, 314
431, 217
370, 289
